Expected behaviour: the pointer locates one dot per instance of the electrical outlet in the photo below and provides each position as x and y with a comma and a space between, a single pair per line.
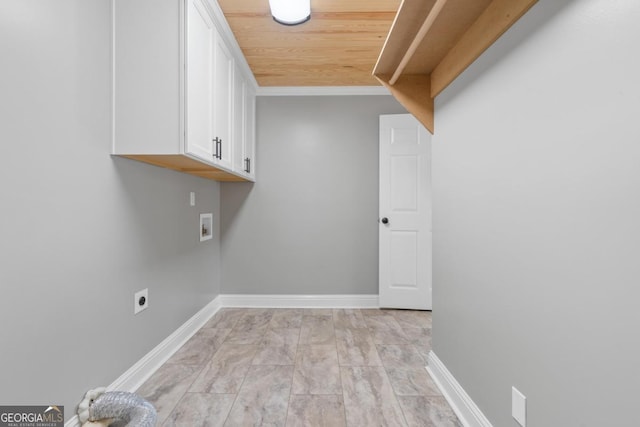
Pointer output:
192, 198
140, 301
519, 407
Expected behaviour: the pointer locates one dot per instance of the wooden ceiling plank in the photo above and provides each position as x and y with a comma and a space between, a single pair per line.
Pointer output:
315, 77
422, 32
354, 6
315, 40
345, 23
497, 18
281, 58
344, 35
317, 6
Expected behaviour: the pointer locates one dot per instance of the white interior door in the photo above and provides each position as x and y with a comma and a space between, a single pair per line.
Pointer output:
405, 213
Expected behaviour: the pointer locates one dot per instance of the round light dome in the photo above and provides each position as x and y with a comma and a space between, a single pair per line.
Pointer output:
290, 12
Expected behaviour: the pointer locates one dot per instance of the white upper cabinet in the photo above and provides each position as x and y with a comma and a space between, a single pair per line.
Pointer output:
222, 103
239, 89
249, 141
201, 36
179, 92
244, 110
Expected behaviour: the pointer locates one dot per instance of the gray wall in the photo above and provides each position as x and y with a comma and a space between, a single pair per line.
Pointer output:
82, 231
536, 183
309, 223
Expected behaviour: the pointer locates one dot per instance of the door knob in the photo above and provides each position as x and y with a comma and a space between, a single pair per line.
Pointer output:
385, 220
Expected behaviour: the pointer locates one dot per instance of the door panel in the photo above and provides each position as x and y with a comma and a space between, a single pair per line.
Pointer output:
239, 117
249, 133
405, 204
404, 188
200, 34
403, 259
222, 101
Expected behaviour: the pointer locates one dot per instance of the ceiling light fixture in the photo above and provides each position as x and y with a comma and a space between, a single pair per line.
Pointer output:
290, 12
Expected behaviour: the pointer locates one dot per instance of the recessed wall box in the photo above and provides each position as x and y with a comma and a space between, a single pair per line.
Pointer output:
206, 226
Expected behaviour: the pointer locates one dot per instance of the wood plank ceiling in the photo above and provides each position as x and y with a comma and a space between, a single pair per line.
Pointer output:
339, 46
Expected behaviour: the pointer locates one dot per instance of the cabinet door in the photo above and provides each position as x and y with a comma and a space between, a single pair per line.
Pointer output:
222, 105
238, 134
249, 133
199, 61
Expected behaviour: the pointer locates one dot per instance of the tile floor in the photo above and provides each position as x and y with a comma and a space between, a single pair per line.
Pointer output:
302, 367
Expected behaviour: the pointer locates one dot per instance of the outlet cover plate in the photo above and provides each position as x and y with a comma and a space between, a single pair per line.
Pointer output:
519, 407
137, 307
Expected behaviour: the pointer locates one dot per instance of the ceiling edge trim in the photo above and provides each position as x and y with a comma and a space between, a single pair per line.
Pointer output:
321, 90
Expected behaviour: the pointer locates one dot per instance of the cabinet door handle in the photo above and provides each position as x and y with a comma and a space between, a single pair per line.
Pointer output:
247, 165
219, 148
215, 142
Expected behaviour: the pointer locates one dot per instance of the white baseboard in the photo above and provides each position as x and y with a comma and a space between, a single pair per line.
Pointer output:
301, 301
135, 376
464, 407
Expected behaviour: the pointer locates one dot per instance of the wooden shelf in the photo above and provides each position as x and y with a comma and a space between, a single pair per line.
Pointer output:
188, 165
431, 42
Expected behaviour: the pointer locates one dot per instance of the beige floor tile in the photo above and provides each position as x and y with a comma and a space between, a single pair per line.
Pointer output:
348, 318
412, 382
286, 318
400, 356
278, 347
421, 338
356, 348
201, 409
317, 370
425, 354
413, 318
316, 411
305, 367
201, 347
275, 337
385, 322
386, 330
317, 330
254, 319
374, 311
226, 370
263, 399
389, 336
246, 337
418, 336
369, 399
167, 386
428, 411
283, 355
318, 312
225, 318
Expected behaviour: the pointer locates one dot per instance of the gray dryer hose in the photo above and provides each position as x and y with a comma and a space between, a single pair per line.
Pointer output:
119, 407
